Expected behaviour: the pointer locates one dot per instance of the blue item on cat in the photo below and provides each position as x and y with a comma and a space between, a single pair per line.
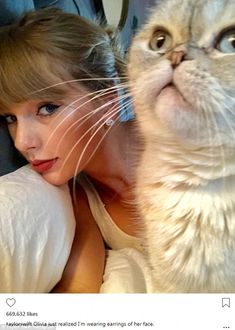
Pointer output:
126, 110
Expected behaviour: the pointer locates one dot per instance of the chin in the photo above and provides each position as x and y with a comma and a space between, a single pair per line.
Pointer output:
55, 178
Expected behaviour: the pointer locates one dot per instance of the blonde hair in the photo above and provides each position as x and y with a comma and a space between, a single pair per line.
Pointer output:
45, 49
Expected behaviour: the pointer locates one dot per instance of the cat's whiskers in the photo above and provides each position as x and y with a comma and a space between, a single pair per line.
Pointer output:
98, 94
91, 129
188, 232
80, 80
76, 125
112, 113
93, 152
69, 115
116, 110
205, 116
84, 119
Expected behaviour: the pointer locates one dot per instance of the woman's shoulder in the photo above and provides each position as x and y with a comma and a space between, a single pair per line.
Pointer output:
84, 270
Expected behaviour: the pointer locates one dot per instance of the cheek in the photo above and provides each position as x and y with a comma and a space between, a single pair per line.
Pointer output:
67, 145
65, 130
69, 141
12, 131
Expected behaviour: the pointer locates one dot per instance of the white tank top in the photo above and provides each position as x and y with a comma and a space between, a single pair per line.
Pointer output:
113, 236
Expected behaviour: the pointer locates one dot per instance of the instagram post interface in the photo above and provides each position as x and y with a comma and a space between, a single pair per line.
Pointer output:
117, 162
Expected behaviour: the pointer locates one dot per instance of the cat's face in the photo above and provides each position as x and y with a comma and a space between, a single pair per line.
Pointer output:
182, 72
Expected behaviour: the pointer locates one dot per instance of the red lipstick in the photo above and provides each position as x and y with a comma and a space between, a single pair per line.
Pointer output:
43, 165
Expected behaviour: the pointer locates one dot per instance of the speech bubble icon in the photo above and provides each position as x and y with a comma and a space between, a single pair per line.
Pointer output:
226, 302
10, 302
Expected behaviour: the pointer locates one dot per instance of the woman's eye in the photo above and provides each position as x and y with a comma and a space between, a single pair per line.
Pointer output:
226, 42
10, 119
47, 109
161, 41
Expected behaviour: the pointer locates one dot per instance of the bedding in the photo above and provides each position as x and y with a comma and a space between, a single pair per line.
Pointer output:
37, 228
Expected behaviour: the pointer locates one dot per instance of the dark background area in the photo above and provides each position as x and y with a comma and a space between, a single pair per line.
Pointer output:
10, 10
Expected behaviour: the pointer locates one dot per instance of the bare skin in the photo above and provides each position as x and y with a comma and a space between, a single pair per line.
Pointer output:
84, 270
85, 267
37, 130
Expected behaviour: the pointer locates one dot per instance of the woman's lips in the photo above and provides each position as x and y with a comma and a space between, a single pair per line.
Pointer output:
43, 165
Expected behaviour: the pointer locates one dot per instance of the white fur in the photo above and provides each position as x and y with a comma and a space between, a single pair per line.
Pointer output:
186, 176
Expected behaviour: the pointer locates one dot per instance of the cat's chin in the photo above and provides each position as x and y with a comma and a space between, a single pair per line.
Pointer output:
176, 113
171, 97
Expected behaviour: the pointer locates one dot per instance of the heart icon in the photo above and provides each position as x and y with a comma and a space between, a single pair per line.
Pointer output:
10, 302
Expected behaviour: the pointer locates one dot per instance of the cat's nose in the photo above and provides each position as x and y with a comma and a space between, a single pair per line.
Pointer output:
177, 55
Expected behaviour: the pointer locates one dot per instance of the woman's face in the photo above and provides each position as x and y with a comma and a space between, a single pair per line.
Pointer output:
52, 136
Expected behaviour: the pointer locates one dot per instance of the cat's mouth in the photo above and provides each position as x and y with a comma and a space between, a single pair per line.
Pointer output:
170, 87
172, 92
170, 99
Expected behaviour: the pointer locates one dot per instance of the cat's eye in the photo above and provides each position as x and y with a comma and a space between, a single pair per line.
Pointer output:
161, 41
226, 42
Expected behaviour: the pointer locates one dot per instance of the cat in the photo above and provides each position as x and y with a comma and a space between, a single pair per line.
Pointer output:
182, 78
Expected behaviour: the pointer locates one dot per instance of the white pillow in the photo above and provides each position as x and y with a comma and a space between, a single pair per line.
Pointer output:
37, 228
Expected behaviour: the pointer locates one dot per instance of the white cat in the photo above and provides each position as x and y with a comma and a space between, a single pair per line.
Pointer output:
182, 76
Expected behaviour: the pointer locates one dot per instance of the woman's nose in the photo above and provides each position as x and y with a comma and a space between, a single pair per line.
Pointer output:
26, 137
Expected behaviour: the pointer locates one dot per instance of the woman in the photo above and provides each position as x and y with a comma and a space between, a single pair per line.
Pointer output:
59, 97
